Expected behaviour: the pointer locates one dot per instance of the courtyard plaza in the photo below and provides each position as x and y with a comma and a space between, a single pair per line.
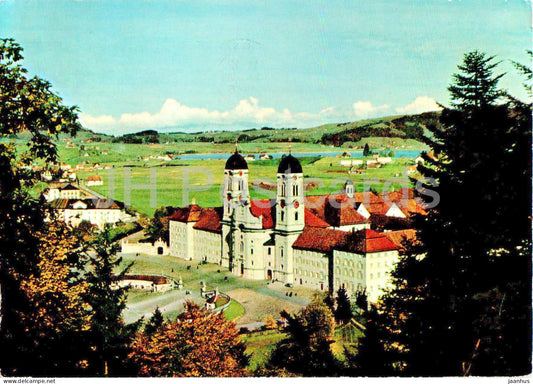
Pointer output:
252, 300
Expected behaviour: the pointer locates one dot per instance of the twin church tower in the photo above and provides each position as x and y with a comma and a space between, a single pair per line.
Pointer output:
258, 235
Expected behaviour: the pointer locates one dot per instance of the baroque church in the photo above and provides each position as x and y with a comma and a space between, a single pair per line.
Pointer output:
323, 242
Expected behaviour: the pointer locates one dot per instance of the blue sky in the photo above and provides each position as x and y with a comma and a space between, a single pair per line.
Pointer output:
228, 64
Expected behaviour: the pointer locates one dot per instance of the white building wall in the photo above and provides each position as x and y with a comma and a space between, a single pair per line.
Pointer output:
99, 217
379, 266
144, 248
181, 240
311, 269
349, 271
207, 246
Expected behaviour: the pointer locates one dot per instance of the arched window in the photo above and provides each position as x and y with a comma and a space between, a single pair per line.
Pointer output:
242, 246
296, 216
282, 189
281, 251
282, 215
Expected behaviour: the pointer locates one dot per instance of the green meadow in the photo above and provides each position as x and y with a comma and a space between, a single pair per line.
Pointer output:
148, 185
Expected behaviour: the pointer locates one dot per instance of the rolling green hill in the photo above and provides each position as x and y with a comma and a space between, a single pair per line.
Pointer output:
405, 131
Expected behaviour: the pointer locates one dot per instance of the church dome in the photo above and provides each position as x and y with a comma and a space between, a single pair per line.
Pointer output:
289, 164
236, 161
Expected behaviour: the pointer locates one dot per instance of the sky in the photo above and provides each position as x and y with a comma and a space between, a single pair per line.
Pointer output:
198, 65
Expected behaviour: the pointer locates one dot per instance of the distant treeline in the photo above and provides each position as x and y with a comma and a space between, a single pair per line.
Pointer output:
406, 127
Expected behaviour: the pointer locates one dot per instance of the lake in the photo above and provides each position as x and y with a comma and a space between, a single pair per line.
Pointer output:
409, 153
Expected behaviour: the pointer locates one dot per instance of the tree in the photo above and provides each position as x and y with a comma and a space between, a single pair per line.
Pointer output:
307, 349
57, 317
441, 314
373, 356
158, 227
155, 323
366, 151
526, 71
343, 313
199, 343
270, 322
475, 86
26, 105
109, 336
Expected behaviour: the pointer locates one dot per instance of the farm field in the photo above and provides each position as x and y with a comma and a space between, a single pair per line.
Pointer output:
147, 186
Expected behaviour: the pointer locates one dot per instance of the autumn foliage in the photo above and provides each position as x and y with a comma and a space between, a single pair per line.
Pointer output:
198, 344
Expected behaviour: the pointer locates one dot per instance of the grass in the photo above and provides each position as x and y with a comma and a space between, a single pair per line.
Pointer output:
260, 344
234, 310
179, 181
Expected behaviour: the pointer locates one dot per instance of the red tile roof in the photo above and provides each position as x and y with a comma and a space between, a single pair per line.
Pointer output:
187, 214
312, 220
319, 239
264, 208
401, 236
326, 239
401, 194
339, 210
210, 220
370, 241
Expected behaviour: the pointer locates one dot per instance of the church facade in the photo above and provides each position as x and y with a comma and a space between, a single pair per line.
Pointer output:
321, 242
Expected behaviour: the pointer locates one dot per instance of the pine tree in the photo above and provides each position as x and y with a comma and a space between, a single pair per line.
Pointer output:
343, 313
155, 323
441, 314
366, 151
307, 349
475, 86
372, 357
109, 336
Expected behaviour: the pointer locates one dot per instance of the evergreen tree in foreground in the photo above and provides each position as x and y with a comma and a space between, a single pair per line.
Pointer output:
307, 349
464, 307
109, 337
343, 313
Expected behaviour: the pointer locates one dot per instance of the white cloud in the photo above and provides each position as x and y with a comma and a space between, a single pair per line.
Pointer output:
419, 105
366, 109
247, 113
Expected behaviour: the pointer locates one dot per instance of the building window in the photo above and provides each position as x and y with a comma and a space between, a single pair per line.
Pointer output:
296, 216
251, 252
281, 252
282, 215
269, 250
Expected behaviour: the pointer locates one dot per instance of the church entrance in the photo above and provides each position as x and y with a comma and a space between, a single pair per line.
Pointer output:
242, 269
269, 274
159, 250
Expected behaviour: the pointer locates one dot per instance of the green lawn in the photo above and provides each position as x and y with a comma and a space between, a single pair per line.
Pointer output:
234, 310
260, 344
178, 182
